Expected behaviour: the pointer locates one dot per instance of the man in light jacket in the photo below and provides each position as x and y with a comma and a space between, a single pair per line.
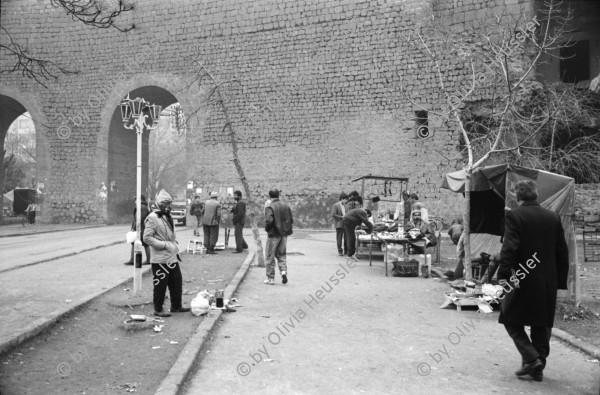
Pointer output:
159, 234
212, 217
337, 212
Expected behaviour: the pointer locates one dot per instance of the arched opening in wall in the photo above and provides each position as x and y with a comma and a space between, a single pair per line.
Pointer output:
167, 160
19, 182
122, 155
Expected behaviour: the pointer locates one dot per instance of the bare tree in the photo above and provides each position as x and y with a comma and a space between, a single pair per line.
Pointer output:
217, 97
166, 158
21, 146
490, 102
96, 13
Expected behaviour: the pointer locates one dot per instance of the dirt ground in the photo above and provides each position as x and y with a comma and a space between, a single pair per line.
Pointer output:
89, 352
580, 321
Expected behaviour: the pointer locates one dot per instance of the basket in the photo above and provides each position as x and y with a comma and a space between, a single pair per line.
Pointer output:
406, 268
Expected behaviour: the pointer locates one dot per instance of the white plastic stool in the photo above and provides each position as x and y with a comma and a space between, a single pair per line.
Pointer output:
194, 245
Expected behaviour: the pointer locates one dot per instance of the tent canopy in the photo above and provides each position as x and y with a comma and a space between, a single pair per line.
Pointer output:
10, 195
492, 190
556, 192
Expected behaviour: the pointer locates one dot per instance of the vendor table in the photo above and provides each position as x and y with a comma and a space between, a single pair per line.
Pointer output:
377, 244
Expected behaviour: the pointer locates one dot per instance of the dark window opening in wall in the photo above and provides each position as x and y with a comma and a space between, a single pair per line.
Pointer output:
575, 62
422, 124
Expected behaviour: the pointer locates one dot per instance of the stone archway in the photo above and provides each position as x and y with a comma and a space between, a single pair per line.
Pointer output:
14, 104
122, 156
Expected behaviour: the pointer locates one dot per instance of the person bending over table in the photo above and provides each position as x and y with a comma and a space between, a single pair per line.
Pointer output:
351, 220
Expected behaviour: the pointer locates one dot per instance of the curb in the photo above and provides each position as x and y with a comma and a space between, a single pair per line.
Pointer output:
48, 320
185, 362
579, 344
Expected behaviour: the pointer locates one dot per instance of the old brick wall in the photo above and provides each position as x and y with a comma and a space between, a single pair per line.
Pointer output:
315, 106
587, 207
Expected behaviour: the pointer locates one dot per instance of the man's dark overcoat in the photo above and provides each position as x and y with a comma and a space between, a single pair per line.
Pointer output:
533, 234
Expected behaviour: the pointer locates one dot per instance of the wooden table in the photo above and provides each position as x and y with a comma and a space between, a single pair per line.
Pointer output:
366, 243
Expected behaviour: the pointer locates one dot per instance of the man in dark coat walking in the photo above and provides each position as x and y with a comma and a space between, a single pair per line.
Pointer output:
534, 263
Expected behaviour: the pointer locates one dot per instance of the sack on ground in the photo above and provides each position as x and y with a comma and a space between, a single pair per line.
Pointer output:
200, 304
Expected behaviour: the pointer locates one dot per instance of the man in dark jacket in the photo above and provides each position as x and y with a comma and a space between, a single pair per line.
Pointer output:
279, 220
197, 210
239, 217
534, 263
351, 220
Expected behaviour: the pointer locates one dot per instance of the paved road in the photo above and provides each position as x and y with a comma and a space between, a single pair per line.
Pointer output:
32, 248
342, 329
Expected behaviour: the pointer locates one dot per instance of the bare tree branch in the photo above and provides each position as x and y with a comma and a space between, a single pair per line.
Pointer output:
29, 66
92, 13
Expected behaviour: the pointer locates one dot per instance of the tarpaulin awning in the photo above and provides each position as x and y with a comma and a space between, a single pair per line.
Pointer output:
10, 195
491, 190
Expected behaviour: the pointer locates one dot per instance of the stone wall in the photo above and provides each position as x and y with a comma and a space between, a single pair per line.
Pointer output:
316, 102
587, 207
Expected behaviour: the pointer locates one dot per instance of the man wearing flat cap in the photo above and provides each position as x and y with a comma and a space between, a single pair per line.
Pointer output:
159, 234
211, 220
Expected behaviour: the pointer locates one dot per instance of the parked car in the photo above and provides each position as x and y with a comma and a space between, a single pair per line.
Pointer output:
179, 213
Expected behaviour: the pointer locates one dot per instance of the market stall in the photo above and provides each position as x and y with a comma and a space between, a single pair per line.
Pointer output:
384, 197
491, 191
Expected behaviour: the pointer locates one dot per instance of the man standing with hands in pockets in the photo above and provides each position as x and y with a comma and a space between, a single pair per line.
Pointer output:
337, 212
239, 217
159, 234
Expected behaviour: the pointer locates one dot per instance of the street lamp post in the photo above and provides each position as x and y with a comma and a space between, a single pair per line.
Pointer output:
132, 109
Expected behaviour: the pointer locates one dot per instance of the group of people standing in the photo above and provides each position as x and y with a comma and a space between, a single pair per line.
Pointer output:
208, 214
159, 235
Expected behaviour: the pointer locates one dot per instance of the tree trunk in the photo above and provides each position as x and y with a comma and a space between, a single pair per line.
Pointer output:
260, 258
2, 180
467, 226
4, 166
